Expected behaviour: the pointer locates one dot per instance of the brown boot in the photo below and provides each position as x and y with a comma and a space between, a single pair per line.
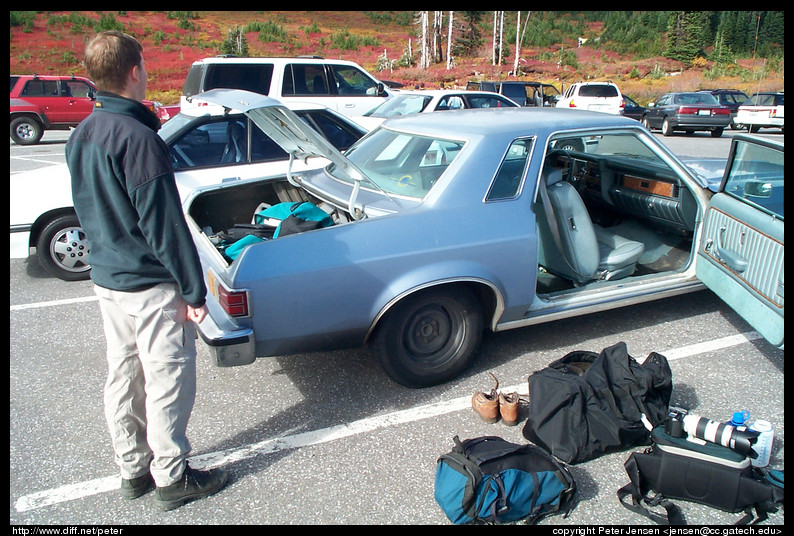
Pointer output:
508, 408
487, 404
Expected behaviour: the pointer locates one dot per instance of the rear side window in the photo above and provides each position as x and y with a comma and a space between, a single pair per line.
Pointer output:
14, 82
305, 79
507, 182
40, 88
251, 77
598, 91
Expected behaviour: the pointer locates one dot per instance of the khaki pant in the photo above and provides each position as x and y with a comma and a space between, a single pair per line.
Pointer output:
151, 384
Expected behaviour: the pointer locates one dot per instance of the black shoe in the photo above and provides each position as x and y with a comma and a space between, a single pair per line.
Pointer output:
132, 488
193, 485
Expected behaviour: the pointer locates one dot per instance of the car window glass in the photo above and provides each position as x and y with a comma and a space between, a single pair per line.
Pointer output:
221, 142
352, 81
77, 89
507, 182
305, 79
251, 77
757, 177
400, 105
41, 88
598, 90
399, 163
341, 135
488, 102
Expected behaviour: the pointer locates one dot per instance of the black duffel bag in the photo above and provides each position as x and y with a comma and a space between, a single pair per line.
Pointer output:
588, 404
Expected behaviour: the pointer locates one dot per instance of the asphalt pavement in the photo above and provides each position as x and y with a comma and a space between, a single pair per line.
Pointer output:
328, 438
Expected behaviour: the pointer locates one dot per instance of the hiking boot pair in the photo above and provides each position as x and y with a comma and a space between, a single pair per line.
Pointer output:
495, 405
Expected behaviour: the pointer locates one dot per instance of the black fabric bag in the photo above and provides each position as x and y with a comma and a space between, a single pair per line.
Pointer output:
710, 474
587, 404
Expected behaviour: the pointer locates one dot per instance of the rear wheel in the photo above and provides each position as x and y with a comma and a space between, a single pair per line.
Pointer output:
716, 133
431, 337
667, 128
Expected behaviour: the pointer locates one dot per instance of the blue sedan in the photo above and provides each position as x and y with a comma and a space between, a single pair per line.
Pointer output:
440, 226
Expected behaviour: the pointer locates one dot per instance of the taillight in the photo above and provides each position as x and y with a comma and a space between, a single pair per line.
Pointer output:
571, 105
722, 111
235, 303
622, 103
687, 110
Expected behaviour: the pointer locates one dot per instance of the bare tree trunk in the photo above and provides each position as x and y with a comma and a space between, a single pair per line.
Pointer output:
449, 43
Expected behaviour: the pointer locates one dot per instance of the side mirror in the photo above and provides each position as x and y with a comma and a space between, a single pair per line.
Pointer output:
651, 104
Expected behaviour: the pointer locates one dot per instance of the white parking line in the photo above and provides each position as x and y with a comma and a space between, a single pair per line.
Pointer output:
71, 492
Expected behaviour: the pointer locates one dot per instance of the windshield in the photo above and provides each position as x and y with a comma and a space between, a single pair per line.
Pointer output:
400, 164
400, 105
174, 125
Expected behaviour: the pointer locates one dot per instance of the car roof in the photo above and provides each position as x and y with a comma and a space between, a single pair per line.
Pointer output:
514, 122
442, 92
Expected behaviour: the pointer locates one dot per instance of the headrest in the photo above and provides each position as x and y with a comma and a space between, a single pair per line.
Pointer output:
552, 175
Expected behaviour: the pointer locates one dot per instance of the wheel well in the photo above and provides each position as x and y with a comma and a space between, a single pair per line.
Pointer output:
485, 295
31, 115
44, 220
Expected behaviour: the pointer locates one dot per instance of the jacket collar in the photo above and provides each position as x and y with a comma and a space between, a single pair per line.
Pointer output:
114, 103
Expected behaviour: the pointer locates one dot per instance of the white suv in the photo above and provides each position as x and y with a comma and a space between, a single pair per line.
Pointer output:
340, 85
595, 96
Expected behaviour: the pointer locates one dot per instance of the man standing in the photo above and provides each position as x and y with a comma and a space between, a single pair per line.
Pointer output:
147, 276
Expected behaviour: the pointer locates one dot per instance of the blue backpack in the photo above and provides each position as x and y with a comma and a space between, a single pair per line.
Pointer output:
488, 479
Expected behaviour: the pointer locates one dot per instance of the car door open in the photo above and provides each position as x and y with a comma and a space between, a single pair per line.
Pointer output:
741, 257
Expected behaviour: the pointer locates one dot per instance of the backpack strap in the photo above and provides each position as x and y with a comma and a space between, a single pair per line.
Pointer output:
673, 515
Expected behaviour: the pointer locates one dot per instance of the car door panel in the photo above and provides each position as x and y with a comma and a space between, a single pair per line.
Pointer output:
741, 257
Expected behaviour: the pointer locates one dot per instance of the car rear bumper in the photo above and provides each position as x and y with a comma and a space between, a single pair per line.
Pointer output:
228, 347
694, 122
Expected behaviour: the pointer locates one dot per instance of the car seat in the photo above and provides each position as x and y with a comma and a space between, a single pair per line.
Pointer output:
236, 144
570, 245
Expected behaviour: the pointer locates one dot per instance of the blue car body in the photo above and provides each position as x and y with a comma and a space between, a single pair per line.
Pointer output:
421, 260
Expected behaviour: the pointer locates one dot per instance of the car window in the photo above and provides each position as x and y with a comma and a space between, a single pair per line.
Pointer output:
251, 77
598, 90
352, 81
450, 102
400, 163
340, 134
214, 143
488, 102
695, 98
305, 79
40, 88
507, 182
756, 177
75, 88
400, 105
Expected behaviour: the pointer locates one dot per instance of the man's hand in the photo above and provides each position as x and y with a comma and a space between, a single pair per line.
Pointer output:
197, 315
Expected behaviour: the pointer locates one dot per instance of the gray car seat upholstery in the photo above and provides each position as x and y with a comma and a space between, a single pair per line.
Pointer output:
584, 251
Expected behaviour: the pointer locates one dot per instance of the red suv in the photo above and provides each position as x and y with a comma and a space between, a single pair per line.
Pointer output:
40, 103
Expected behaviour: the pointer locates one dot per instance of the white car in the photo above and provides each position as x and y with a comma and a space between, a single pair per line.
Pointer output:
761, 110
431, 100
594, 96
207, 147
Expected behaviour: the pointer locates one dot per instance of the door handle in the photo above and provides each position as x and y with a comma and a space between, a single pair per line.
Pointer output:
729, 257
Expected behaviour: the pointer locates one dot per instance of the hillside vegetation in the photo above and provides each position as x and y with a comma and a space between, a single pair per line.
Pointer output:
645, 53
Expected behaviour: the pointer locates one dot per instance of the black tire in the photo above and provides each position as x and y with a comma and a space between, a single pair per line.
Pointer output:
430, 337
26, 131
667, 128
716, 133
62, 249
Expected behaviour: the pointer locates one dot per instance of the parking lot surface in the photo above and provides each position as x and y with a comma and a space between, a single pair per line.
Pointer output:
328, 438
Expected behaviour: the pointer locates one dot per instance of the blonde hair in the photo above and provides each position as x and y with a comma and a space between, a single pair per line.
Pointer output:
109, 58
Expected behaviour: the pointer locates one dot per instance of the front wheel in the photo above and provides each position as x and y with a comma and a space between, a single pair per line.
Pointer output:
431, 337
62, 249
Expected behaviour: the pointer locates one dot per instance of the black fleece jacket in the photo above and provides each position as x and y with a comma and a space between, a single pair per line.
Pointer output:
126, 198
